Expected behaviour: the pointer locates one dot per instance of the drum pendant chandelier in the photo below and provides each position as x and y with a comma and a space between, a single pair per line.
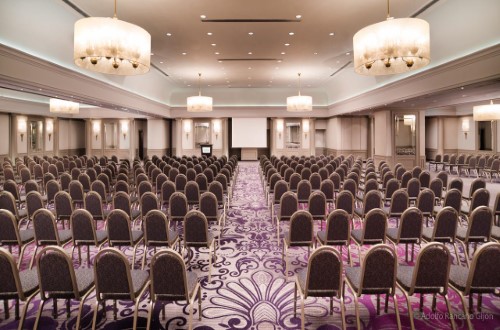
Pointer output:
299, 103
393, 46
112, 46
199, 103
486, 112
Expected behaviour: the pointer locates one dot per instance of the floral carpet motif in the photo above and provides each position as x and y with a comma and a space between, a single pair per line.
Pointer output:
249, 289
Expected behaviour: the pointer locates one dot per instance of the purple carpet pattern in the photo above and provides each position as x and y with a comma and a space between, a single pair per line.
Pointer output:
249, 289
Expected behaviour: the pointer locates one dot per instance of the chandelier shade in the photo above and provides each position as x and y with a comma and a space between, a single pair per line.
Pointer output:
199, 103
393, 46
112, 46
64, 107
486, 112
299, 103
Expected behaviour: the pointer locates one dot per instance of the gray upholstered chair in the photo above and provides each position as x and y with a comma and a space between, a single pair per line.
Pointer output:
93, 204
196, 235
116, 281
317, 206
444, 229
120, 232
121, 201
478, 229
337, 232
301, 234
373, 231
321, 278
410, 231
157, 233
59, 280
84, 233
425, 203
288, 206
280, 188
428, 276
167, 189
63, 205
10, 235
8, 202
482, 277
16, 285
376, 275
399, 203
148, 202
372, 200
169, 281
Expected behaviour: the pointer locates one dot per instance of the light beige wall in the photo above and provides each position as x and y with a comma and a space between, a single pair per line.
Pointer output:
4, 134
431, 133
383, 133
450, 137
469, 142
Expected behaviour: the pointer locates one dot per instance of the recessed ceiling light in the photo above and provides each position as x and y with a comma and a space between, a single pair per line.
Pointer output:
152, 54
220, 61
271, 81
203, 16
279, 61
161, 62
213, 45
169, 34
184, 53
291, 33
462, 88
39, 89
209, 33
348, 53
249, 68
250, 33
189, 85
216, 53
332, 33
287, 45
315, 53
250, 53
283, 53
298, 16
209, 85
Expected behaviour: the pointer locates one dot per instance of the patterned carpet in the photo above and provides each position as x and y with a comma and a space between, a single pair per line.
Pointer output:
249, 290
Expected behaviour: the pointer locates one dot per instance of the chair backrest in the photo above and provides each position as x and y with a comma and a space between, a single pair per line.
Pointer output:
10, 285
304, 190
202, 182
93, 204
121, 201
156, 228
83, 227
33, 202
76, 191
445, 226
413, 188
375, 227
99, 187
425, 202
149, 202
294, 181
416, 172
431, 271
481, 197
195, 228
9, 232
315, 180
338, 227
350, 185
436, 186
324, 273
52, 188
168, 276
122, 185
63, 205
7, 202
424, 179
119, 232
144, 187
112, 275
167, 189
327, 188
178, 205
485, 269
192, 192
453, 199
458, 184
407, 176
477, 184
378, 270
45, 228
301, 228
280, 188
399, 202
443, 175
480, 224
345, 201
411, 224
317, 205
372, 200
209, 206
288, 205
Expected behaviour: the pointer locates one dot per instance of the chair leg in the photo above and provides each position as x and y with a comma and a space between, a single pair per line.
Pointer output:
210, 263
342, 310
295, 301
80, 307
39, 314
21, 255
466, 253
6, 308
94, 318
396, 310
199, 304
303, 312
356, 307
190, 321
445, 296
144, 257
464, 307
33, 257
410, 311
150, 311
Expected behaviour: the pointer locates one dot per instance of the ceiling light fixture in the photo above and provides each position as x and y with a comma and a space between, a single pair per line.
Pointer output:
250, 33
64, 107
112, 46
299, 102
393, 46
199, 103
291, 33
486, 112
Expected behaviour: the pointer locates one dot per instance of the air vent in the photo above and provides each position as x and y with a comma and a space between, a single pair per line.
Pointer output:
341, 68
248, 59
251, 20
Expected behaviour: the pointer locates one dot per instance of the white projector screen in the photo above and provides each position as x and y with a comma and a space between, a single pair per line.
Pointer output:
249, 133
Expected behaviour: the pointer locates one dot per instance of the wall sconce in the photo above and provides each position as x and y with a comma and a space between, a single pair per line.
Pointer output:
279, 127
96, 128
305, 124
49, 126
124, 125
21, 127
187, 128
465, 126
216, 128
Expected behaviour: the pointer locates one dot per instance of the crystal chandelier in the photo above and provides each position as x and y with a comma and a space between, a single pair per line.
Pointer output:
299, 103
109, 45
199, 103
65, 107
393, 46
486, 112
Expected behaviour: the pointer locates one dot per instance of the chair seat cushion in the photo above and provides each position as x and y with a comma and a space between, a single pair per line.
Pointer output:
495, 232
29, 281
26, 235
358, 211
458, 276
139, 279
322, 236
65, 235
288, 242
22, 213
301, 278
357, 235
136, 235
101, 236
135, 213
84, 279
192, 280
393, 234
404, 276
353, 274
461, 233
427, 233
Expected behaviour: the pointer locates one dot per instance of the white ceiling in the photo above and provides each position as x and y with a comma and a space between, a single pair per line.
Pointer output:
44, 30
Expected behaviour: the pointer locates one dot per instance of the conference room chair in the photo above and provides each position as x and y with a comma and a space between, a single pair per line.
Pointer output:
373, 231
337, 232
300, 234
409, 232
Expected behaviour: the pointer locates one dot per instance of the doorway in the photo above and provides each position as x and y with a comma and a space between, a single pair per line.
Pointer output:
141, 144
